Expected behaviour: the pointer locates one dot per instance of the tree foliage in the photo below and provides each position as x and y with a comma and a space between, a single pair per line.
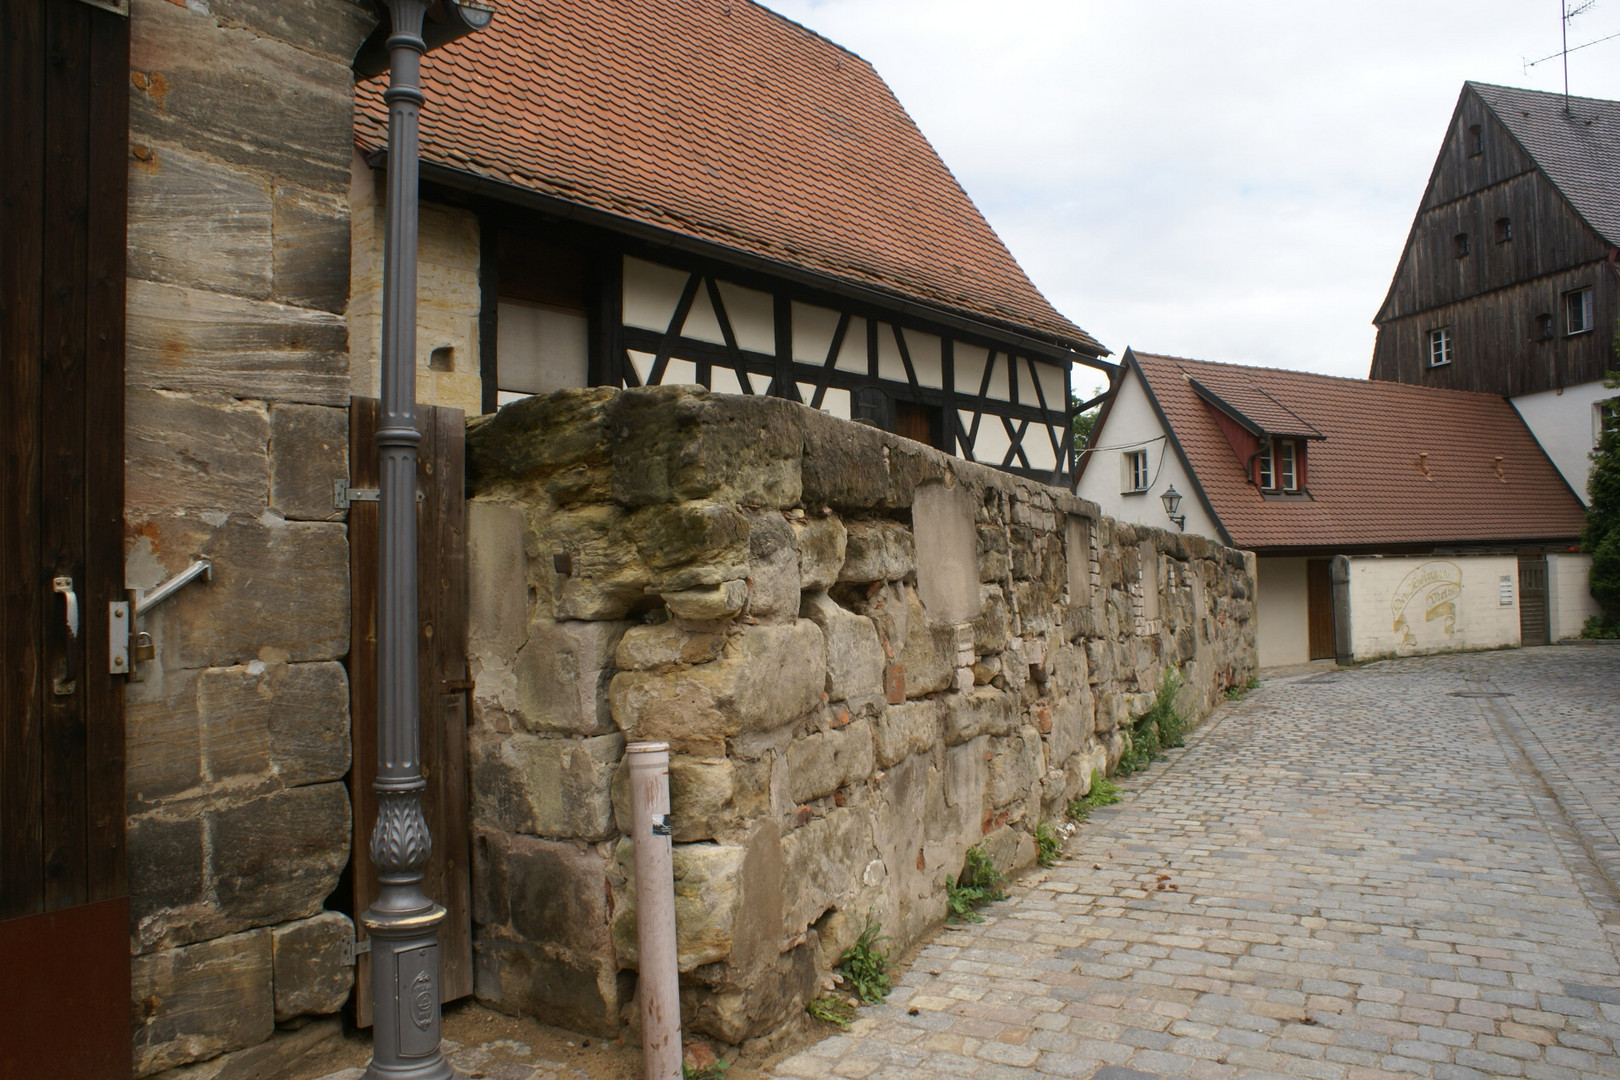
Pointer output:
1602, 533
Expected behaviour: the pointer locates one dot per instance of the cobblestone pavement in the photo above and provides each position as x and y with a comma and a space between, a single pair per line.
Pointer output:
1405, 869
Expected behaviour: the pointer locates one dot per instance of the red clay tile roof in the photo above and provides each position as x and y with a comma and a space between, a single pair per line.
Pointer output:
1234, 394
1365, 476
722, 121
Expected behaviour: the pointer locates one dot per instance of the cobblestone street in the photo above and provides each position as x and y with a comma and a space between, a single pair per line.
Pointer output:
1406, 869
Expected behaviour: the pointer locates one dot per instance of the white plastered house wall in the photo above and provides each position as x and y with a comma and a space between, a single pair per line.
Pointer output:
1134, 427
1565, 423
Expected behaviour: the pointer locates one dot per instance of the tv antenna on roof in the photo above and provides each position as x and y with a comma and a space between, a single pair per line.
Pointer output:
1567, 14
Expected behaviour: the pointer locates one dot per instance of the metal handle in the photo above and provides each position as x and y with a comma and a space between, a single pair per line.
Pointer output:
64, 585
64, 683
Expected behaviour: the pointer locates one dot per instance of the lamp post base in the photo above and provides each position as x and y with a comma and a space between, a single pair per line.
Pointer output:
405, 989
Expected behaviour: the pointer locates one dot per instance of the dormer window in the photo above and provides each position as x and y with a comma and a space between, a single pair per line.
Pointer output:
1278, 466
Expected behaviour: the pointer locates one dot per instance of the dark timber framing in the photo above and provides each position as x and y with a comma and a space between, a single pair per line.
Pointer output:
1010, 356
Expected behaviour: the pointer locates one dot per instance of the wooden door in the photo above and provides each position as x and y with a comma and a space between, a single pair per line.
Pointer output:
64, 910
1535, 627
1319, 608
441, 598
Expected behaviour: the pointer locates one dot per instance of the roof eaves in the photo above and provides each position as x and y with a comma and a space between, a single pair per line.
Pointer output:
1130, 362
1051, 346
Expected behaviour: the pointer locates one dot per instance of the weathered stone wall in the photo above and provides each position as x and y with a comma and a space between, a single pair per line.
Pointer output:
238, 379
866, 655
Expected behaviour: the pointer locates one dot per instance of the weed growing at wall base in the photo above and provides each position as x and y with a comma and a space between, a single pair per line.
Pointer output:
865, 966
979, 883
831, 1009
1103, 793
1048, 844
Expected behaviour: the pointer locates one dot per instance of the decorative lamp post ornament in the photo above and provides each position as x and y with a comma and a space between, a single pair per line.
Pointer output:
402, 922
1172, 501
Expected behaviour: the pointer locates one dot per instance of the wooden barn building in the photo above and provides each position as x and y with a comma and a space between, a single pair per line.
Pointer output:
1510, 280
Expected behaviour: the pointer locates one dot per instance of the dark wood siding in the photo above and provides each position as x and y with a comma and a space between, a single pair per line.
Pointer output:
1526, 247
1497, 344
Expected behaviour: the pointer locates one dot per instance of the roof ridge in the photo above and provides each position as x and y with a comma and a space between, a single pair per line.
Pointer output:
1397, 387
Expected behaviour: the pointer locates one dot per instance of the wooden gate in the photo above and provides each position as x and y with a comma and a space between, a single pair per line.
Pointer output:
441, 596
1319, 608
64, 909
1535, 627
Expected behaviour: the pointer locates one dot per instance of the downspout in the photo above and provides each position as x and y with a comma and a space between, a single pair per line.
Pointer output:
402, 922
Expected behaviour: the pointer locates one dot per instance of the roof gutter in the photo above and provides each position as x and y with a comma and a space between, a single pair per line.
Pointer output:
585, 215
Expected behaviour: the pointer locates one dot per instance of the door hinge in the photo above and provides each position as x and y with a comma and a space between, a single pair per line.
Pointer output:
343, 495
353, 949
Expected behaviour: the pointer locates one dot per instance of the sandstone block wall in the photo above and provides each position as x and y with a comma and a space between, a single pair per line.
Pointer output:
866, 655
238, 383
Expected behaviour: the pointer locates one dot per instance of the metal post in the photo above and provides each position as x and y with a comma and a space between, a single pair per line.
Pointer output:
402, 922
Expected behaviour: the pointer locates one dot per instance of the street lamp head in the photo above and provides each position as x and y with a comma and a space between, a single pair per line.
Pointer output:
1172, 500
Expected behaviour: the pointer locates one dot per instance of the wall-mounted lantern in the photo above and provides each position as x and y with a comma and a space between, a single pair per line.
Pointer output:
1172, 502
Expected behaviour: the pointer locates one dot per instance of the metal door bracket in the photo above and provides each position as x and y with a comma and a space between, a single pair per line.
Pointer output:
121, 616
343, 495
353, 950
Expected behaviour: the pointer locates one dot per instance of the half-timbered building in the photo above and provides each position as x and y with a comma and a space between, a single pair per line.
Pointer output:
1510, 280
641, 194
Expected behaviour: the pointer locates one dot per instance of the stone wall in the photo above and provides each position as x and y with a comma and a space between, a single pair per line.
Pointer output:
866, 655
238, 381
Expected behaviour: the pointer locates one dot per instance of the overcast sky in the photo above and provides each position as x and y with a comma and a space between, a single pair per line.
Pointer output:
1223, 180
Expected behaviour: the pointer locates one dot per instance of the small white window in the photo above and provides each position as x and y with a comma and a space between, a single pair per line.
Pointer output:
1268, 469
1578, 311
1440, 347
1605, 417
1136, 470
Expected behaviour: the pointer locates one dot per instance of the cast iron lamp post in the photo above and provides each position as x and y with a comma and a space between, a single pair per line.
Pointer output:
1172, 500
402, 922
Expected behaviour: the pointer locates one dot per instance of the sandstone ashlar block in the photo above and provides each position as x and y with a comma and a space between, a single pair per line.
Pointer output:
981, 711
203, 1000
274, 725
709, 797
666, 644
929, 655
196, 453
549, 448
946, 551
591, 566
261, 604
904, 730
1073, 720
1017, 766
992, 629
309, 448
677, 442
825, 859
773, 567
691, 544
309, 972
822, 542
854, 657
877, 550
768, 676
200, 223
277, 857
708, 603
708, 899
563, 672
555, 787
821, 763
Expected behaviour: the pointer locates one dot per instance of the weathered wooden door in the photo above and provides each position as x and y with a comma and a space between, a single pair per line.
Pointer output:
1319, 608
1535, 627
441, 598
64, 910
